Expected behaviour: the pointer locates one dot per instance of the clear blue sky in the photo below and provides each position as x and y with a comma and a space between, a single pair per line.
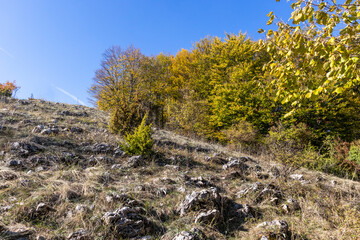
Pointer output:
53, 47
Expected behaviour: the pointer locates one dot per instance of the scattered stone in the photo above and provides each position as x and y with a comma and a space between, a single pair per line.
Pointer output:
25, 182
274, 171
24, 149
257, 168
40, 169
79, 235
117, 166
118, 153
24, 102
198, 182
193, 234
262, 191
333, 182
243, 211
104, 160
274, 201
237, 164
252, 188
15, 163
277, 229
163, 191
200, 200
319, 179
234, 175
209, 217
125, 199
6, 208
202, 149
101, 148
81, 208
261, 175
181, 189
38, 129
129, 223
292, 205
74, 114
50, 130
112, 197
15, 233
135, 161
217, 158
76, 130
175, 167
298, 177
43, 208
72, 195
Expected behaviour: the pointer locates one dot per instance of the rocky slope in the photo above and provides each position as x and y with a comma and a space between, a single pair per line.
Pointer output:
63, 177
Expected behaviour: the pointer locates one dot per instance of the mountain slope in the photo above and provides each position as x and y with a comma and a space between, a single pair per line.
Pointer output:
63, 177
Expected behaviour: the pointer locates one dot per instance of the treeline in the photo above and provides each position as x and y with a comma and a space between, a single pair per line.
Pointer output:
219, 90
296, 92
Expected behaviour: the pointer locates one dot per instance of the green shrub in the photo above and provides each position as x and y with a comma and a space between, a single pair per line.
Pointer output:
242, 136
140, 142
354, 153
288, 144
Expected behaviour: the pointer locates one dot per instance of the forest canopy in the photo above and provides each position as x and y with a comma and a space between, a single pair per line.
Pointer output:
303, 77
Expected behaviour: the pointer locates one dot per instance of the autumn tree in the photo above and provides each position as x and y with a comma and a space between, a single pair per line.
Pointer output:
318, 52
219, 85
118, 87
8, 89
315, 66
130, 85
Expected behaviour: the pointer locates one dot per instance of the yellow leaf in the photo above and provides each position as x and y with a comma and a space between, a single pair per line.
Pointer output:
309, 94
289, 113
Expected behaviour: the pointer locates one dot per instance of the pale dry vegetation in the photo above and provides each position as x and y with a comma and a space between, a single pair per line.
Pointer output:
53, 183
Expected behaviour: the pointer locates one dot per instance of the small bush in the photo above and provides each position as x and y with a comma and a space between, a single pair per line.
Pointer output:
7, 89
288, 144
241, 136
337, 159
123, 120
140, 142
354, 152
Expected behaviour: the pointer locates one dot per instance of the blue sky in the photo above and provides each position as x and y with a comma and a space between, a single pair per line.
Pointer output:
51, 48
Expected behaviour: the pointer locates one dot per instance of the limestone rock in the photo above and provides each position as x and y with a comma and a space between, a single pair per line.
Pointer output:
209, 217
193, 234
129, 223
236, 164
79, 235
277, 229
200, 200
135, 161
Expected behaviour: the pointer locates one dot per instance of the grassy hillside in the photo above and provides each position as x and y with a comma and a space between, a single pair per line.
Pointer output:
62, 176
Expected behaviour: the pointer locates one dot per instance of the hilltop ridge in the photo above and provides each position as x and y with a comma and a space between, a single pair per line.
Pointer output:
63, 176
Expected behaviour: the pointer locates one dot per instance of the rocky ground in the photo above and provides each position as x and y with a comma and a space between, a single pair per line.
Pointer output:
62, 176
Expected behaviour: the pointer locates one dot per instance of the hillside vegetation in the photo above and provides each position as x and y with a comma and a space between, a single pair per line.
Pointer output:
232, 139
64, 177
295, 92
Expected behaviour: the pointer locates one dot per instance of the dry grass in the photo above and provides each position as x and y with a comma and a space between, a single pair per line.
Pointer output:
329, 206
